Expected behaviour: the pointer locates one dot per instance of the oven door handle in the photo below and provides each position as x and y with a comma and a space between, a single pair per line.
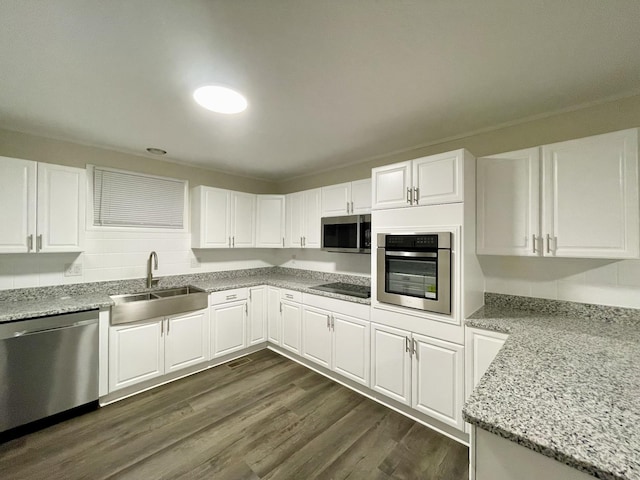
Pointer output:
412, 254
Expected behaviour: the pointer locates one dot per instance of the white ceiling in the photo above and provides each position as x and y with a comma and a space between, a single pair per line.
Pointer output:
329, 82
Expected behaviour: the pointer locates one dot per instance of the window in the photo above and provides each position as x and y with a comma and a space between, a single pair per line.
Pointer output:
130, 199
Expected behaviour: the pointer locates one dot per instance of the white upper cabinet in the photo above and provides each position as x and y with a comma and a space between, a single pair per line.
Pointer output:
508, 203
270, 221
571, 199
391, 186
590, 196
302, 225
47, 211
428, 180
347, 198
243, 215
222, 218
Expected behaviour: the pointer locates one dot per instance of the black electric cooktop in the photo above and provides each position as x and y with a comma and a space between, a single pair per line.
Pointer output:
360, 291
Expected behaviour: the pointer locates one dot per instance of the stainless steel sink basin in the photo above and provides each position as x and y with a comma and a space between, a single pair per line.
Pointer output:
161, 303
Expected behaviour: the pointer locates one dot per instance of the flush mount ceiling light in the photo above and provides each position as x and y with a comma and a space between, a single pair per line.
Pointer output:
156, 151
220, 99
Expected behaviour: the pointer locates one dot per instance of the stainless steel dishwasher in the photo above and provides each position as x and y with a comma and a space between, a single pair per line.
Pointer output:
47, 365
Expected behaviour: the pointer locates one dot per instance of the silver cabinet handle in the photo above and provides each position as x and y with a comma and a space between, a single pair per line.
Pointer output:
406, 345
282, 242
288, 295
300, 241
352, 207
280, 307
231, 297
229, 242
39, 242
533, 242
415, 348
347, 207
548, 243
246, 308
328, 322
249, 295
416, 192
30, 242
162, 327
409, 195
168, 326
304, 241
233, 241
333, 322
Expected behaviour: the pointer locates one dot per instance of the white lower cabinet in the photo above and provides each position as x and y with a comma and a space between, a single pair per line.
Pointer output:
316, 336
422, 372
351, 347
228, 327
481, 347
257, 315
291, 325
274, 319
142, 351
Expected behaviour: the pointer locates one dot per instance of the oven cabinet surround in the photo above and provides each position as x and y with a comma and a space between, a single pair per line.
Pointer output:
495, 458
335, 335
270, 220
350, 198
577, 198
423, 372
47, 211
481, 348
431, 180
222, 218
145, 350
302, 219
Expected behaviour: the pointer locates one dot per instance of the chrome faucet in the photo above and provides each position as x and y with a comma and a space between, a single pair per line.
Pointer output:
151, 282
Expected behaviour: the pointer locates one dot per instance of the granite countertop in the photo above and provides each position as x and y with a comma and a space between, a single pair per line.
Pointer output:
565, 386
46, 301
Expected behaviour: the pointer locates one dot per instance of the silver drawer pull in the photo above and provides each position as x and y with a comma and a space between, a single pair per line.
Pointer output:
231, 297
288, 295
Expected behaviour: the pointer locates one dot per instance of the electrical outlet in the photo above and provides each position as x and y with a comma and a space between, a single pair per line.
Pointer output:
73, 269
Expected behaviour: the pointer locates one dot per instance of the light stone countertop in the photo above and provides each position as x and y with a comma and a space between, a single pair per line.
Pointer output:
566, 386
46, 301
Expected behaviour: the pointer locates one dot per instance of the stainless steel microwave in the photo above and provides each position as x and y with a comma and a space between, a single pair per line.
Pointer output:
414, 270
348, 233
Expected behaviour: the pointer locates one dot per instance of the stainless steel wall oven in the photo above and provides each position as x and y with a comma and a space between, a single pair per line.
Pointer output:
414, 270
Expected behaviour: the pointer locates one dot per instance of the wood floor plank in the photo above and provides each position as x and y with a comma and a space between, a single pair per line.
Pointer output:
268, 419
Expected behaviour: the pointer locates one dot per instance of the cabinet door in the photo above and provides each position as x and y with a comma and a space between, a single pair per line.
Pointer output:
61, 208
274, 316
391, 362
438, 178
590, 194
438, 379
17, 189
186, 340
481, 347
351, 345
291, 326
257, 315
244, 220
211, 218
316, 336
294, 208
391, 186
312, 214
361, 196
228, 328
270, 221
136, 353
508, 193
336, 200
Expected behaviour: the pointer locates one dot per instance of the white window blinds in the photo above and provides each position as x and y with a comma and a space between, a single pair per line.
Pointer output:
128, 199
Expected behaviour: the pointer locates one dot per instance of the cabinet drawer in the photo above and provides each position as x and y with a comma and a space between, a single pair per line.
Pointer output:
216, 298
291, 295
335, 305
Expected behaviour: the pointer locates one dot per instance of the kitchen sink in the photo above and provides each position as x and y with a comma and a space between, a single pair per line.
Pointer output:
161, 303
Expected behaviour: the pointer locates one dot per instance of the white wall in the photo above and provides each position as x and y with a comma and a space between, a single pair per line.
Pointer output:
606, 282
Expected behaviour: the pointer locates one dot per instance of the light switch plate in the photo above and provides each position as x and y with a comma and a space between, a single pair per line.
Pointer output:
73, 269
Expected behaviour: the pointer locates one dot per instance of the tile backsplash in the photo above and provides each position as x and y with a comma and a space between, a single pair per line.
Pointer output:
599, 281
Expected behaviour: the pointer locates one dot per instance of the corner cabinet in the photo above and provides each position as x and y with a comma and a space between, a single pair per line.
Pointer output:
302, 225
47, 211
270, 221
431, 180
145, 350
222, 218
570, 199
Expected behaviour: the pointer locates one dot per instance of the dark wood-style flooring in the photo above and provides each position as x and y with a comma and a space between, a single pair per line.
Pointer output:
267, 419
